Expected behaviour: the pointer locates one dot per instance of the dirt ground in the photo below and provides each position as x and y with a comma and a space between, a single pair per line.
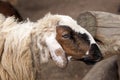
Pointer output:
36, 9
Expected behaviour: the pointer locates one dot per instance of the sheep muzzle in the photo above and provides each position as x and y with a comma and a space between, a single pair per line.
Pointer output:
94, 55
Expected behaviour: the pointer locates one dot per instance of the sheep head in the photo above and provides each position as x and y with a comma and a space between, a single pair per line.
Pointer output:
72, 40
76, 41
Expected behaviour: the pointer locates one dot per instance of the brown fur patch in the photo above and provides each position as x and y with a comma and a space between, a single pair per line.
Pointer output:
72, 43
58, 52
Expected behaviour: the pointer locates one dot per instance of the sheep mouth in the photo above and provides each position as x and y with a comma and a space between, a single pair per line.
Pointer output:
93, 56
90, 61
87, 60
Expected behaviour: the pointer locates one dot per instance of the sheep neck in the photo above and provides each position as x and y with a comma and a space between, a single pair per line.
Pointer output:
41, 30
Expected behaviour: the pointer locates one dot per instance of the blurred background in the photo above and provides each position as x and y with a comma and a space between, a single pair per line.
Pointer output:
36, 9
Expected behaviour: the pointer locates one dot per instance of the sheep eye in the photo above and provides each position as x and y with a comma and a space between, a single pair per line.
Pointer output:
66, 36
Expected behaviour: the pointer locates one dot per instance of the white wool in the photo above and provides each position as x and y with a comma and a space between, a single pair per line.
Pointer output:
23, 45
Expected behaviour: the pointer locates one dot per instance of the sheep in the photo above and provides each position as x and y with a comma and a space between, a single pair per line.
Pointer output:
107, 69
8, 10
27, 45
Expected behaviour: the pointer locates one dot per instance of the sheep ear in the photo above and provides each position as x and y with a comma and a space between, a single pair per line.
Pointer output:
56, 51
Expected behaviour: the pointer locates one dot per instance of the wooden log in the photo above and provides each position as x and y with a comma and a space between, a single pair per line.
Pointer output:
107, 69
105, 27
100, 24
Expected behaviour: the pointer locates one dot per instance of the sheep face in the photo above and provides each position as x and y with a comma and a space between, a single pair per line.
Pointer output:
70, 39
77, 42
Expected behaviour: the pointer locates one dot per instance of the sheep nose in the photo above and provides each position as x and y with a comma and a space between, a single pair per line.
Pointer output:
94, 55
